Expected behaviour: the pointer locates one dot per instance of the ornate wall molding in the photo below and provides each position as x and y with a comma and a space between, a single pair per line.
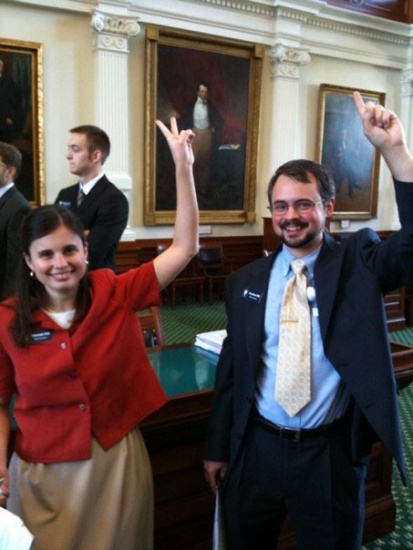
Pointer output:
113, 31
323, 16
363, 32
243, 6
286, 61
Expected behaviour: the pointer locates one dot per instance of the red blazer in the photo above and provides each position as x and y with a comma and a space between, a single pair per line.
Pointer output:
96, 379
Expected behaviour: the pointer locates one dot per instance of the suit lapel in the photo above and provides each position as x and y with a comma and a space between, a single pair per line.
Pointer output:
7, 197
68, 197
326, 277
96, 191
254, 295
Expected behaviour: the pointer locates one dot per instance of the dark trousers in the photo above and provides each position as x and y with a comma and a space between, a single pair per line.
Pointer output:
314, 481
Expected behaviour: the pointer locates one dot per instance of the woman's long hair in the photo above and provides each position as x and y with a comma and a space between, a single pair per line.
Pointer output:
30, 293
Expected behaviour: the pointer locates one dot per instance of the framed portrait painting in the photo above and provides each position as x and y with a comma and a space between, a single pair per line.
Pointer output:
352, 159
21, 112
213, 87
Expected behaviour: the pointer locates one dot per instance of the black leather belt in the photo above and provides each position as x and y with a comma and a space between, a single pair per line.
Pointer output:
299, 435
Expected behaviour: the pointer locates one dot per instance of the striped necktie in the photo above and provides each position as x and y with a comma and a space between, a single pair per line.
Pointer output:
80, 196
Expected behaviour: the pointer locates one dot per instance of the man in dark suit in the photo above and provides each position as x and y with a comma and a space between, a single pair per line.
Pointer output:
100, 205
206, 121
311, 464
13, 208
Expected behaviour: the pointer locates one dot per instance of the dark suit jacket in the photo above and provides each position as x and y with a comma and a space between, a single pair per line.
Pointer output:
350, 280
104, 212
13, 208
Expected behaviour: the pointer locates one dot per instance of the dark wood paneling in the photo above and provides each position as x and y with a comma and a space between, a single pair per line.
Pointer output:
127, 256
238, 251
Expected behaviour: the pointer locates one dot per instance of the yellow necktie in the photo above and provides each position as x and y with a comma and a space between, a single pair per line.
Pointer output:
293, 382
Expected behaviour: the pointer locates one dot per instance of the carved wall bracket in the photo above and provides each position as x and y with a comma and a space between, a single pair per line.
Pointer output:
286, 61
112, 31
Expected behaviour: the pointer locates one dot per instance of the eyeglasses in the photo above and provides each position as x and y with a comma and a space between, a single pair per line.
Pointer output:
302, 206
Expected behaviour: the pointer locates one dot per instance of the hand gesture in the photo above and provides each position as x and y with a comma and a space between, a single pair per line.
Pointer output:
180, 143
381, 126
384, 130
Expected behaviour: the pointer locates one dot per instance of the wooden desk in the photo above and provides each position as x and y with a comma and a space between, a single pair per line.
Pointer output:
175, 437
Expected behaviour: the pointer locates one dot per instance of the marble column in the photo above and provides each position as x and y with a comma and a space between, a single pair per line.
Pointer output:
406, 107
111, 33
406, 111
285, 67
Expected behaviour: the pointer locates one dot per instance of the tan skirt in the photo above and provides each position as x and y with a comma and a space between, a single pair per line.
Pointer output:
105, 503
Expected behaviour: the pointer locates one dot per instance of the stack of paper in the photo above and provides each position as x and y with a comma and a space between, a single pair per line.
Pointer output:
211, 341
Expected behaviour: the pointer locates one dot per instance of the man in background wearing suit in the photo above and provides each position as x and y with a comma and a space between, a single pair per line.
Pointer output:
13, 208
205, 121
311, 464
100, 205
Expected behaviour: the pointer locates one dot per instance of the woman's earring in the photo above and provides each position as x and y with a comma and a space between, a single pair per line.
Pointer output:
87, 262
31, 274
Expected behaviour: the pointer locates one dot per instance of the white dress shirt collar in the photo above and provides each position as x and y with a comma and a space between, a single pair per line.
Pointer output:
4, 189
87, 187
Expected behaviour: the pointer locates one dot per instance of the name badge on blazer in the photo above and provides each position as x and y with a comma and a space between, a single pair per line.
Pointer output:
248, 294
65, 204
41, 336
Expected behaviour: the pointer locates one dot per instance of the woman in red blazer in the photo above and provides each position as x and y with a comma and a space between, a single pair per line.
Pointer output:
72, 351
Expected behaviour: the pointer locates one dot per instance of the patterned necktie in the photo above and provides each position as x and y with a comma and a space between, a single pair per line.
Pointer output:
293, 382
80, 196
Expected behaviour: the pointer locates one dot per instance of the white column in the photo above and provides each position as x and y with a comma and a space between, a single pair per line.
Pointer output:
406, 107
406, 110
285, 67
110, 44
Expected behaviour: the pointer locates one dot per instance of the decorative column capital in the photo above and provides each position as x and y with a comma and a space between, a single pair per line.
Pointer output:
112, 31
286, 61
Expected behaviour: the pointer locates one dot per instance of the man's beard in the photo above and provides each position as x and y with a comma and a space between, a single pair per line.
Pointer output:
299, 243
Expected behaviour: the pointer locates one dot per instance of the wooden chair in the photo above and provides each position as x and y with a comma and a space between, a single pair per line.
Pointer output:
189, 277
213, 265
152, 330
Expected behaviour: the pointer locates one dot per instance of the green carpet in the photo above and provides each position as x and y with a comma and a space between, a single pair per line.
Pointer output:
402, 537
186, 320
182, 323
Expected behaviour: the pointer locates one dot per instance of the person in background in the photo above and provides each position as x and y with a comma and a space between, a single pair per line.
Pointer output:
205, 120
102, 208
13, 208
72, 351
311, 463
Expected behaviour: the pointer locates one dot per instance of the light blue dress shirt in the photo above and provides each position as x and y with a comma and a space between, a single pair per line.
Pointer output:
329, 398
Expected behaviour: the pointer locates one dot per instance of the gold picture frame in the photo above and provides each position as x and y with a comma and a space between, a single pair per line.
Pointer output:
177, 63
21, 112
343, 148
